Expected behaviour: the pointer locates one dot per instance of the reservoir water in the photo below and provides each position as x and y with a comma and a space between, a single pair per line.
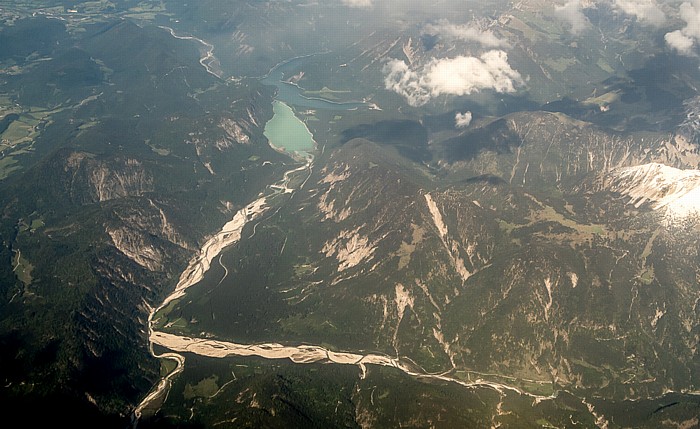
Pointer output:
291, 94
286, 131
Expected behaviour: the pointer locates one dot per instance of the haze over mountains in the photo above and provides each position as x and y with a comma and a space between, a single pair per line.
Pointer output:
496, 226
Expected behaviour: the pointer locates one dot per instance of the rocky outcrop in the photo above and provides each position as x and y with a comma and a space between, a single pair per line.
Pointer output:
90, 179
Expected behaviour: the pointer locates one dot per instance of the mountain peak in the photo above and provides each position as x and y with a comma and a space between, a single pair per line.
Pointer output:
673, 189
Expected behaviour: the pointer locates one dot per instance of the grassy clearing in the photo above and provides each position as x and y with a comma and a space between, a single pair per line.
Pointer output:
167, 366
8, 165
327, 94
206, 388
647, 275
161, 317
22, 268
602, 100
560, 64
549, 214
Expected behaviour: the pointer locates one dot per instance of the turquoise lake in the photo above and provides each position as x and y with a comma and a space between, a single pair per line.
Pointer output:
288, 132
285, 130
291, 94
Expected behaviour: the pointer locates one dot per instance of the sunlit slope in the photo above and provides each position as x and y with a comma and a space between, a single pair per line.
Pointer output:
524, 264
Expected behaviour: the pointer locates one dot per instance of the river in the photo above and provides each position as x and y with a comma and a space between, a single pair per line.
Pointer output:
230, 234
291, 93
300, 354
207, 58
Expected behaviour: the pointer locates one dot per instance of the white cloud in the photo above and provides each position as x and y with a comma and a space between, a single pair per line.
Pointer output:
462, 120
680, 42
358, 4
405, 82
452, 76
644, 10
572, 14
685, 39
471, 32
465, 75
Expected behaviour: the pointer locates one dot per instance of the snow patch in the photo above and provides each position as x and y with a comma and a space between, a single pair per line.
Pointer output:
675, 190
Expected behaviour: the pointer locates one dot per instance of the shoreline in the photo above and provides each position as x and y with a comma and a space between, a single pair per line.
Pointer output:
294, 154
301, 89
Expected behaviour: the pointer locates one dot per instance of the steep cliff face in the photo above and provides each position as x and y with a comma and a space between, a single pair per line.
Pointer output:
143, 232
90, 180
